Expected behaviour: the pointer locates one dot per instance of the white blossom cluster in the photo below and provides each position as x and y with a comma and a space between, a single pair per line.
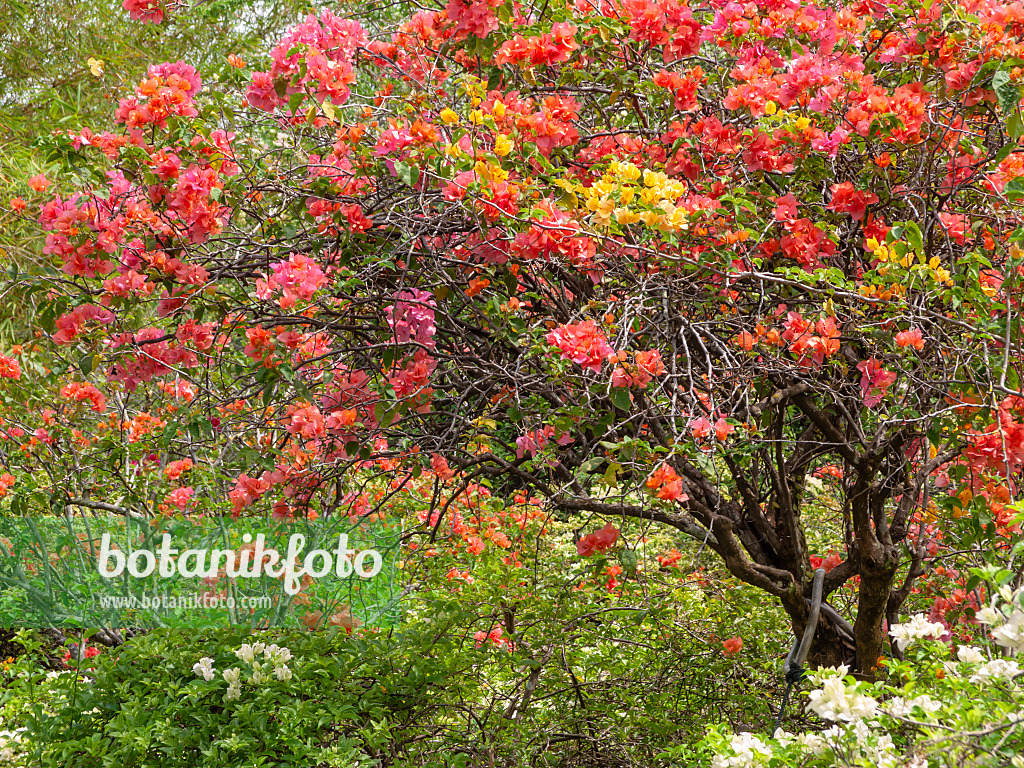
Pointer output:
746, 748
274, 665
861, 724
9, 742
837, 701
1006, 620
918, 628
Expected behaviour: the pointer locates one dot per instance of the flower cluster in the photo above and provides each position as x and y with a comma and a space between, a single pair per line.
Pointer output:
1006, 617
411, 317
918, 628
168, 90
315, 56
666, 483
874, 381
150, 11
274, 665
549, 48
538, 439
646, 367
298, 278
938, 702
598, 541
583, 343
496, 637
9, 368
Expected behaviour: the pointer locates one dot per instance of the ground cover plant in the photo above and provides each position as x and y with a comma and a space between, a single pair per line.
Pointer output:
627, 317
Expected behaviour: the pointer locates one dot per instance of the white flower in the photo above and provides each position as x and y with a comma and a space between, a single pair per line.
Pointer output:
819, 676
812, 742
1011, 634
232, 676
834, 701
258, 675
233, 693
744, 745
258, 648
902, 708
276, 655
246, 653
988, 615
204, 668
8, 742
968, 654
998, 669
897, 706
283, 673
918, 628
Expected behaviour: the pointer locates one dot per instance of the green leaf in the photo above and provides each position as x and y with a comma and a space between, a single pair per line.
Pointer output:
913, 235
621, 399
627, 558
1015, 127
1007, 94
1014, 189
408, 174
611, 474
294, 101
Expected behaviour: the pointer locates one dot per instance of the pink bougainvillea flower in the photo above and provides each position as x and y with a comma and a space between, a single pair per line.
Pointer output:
874, 381
583, 343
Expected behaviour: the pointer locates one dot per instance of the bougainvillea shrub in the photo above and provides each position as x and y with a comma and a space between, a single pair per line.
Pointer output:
633, 259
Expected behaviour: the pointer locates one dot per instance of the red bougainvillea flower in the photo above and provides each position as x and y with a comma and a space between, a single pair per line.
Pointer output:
910, 338
6, 481
667, 484
9, 368
846, 199
828, 563
148, 11
39, 183
732, 646
598, 541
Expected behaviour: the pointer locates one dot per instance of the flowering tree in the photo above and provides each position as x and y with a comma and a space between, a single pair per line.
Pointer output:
637, 259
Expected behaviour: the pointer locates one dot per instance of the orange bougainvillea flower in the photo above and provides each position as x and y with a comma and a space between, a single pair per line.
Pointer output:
476, 286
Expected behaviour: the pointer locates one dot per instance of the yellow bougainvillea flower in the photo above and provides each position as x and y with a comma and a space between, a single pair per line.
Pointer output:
502, 145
